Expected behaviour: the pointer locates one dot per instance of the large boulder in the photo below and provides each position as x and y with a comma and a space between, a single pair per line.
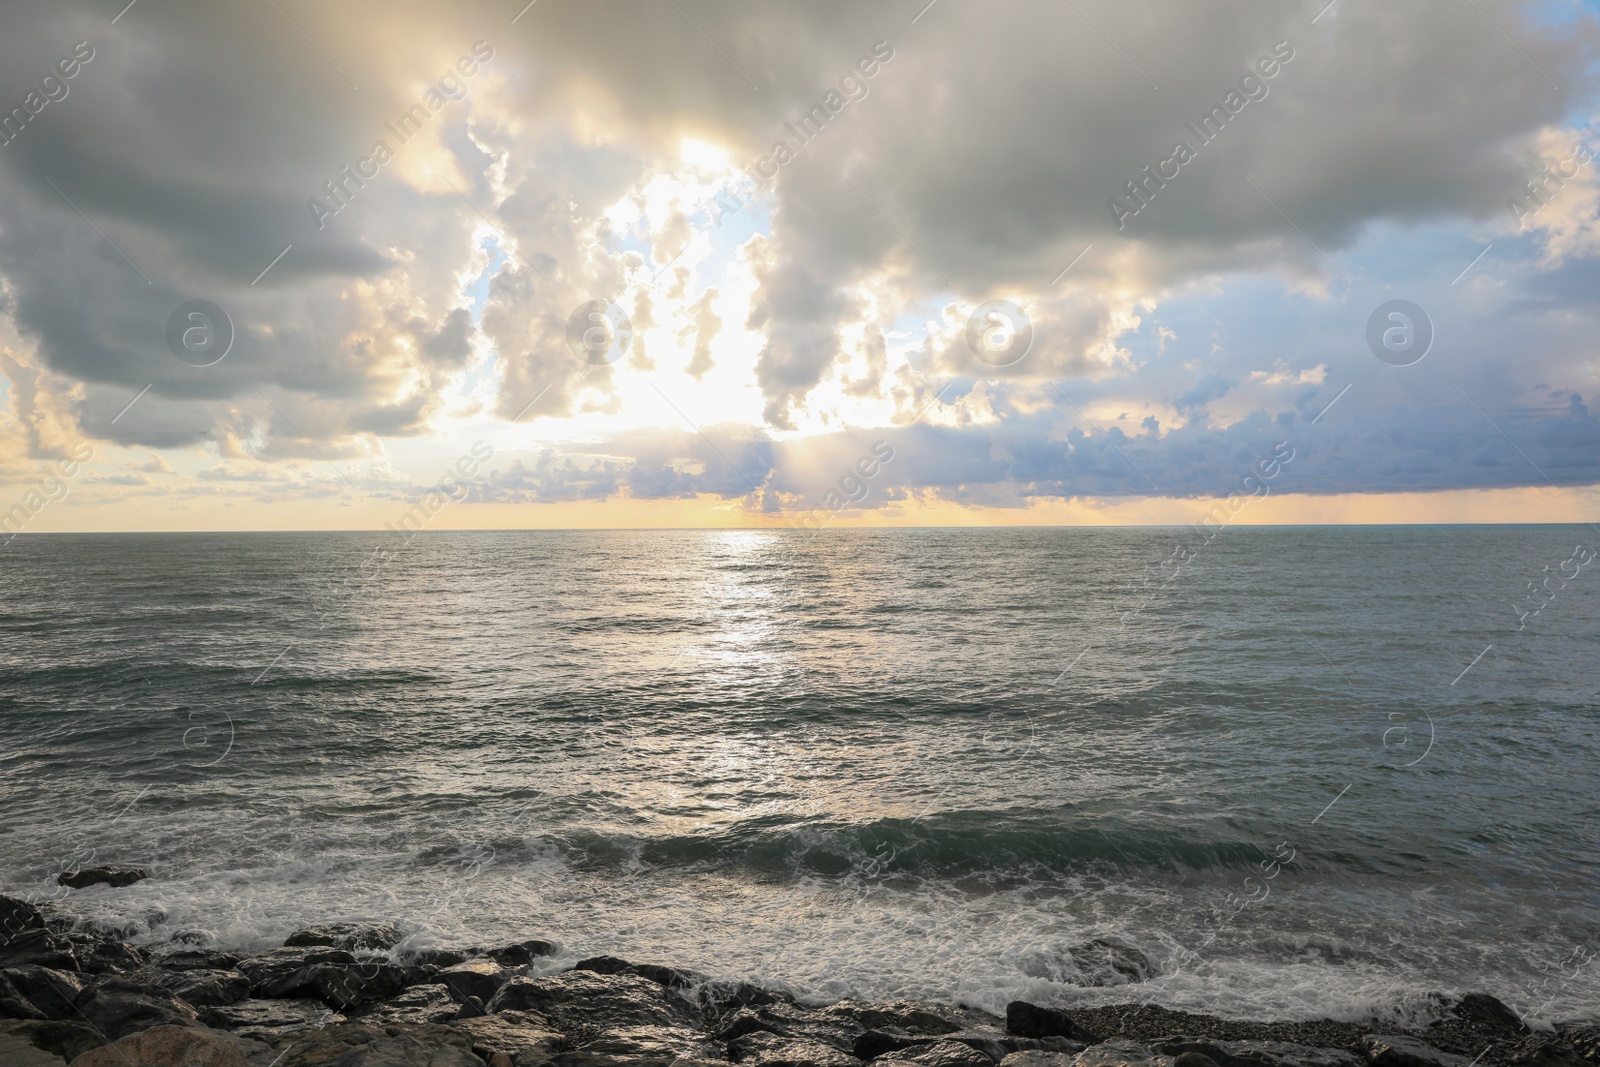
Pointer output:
1488, 1015
269, 1020
474, 978
17, 916
52, 992
1032, 1020
170, 1046
835, 1027
116, 877
427, 1003
98, 954
198, 959
524, 1037
940, 1052
1255, 1053
362, 1044
14, 1005
332, 975
203, 988
38, 946
519, 954
602, 1001
117, 1007
763, 1048
641, 1046
64, 1040
279, 972
1398, 1050
351, 936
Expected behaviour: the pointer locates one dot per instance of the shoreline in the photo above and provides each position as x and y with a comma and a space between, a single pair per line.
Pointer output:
70, 994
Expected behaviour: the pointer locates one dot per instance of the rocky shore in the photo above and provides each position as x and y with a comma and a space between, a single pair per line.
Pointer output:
345, 995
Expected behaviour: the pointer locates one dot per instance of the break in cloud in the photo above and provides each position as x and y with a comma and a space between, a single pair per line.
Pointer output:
400, 207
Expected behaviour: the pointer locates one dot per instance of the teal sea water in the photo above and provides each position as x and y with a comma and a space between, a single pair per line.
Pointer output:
1302, 771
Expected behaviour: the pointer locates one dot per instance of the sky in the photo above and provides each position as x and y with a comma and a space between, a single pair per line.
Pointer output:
628, 263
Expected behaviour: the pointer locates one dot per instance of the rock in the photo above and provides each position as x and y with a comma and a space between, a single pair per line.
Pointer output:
520, 954
671, 977
1484, 1012
833, 1026
1120, 1051
523, 1037
363, 1044
17, 1052
40, 947
1547, 1050
117, 1007
269, 1019
204, 988
1586, 1039
198, 960
276, 973
333, 975
13, 1005
436, 959
941, 1052
472, 1008
67, 1040
584, 998
1108, 963
475, 978
641, 1046
762, 1048
116, 877
169, 1046
1031, 1020
1255, 1053
429, 1003
1194, 1059
874, 1043
1034, 1058
1389, 1050
17, 916
104, 955
909, 1016
52, 992
373, 936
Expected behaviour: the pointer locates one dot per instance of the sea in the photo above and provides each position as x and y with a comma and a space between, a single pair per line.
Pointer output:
1270, 773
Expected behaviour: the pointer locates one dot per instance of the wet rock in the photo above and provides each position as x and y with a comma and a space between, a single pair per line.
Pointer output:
1391, 1050
198, 960
475, 978
428, 1003
52, 992
117, 1007
671, 977
1038, 1058
1547, 1050
97, 954
1485, 1013
762, 1048
436, 959
116, 877
372, 936
835, 1028
525, 1038
17, 916
169, 1046
351, 987
641, 1046
909, 1016
521, 953
1119, 1051
277, 973
269, 1019
203, 988
1109, 963
38, 946
364, 1044
1194, 1059
603, 1001
16, 1052
471, 1008
67, 1040
13, 1005
1255, 1053
1586, 1039
941, 1052
1031, 1020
